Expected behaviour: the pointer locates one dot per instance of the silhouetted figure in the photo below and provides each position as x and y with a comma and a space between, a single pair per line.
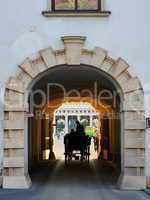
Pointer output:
77, 141
72, 132
80, 128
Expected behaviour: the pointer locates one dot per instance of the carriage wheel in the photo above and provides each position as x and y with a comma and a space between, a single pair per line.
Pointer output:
68, 157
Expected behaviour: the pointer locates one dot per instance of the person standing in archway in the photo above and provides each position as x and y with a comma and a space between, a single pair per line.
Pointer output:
79, 128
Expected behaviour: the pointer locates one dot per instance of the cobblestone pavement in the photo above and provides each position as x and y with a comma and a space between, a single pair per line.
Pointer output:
76, 181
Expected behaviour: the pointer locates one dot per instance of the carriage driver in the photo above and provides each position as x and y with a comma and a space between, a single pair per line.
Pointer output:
79, 128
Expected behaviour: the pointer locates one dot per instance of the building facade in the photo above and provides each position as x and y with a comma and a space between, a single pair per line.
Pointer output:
110, 42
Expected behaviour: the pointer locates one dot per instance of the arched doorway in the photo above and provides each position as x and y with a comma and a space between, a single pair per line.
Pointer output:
73, 96
131, 109
65, 118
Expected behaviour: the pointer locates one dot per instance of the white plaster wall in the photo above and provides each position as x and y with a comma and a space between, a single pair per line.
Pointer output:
23, 31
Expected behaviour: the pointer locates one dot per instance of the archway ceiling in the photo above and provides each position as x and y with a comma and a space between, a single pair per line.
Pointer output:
76, 76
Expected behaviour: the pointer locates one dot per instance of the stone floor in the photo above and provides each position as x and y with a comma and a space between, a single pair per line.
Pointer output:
74, 182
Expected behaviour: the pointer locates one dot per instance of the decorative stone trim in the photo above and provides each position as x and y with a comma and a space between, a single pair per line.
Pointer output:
73, 39
132, 182
134, 101
13, 98
14, 124
134, 158
133, 115
15, 85
86, 57
119, 67
132, 85
60, 57
39, 65
134, 139
48, 56
123, 78
98, 57
16, 108
73, 49
24, 77
74, 54
134, 125
107, 64
15, 182
28, 68
14, 143
13, 162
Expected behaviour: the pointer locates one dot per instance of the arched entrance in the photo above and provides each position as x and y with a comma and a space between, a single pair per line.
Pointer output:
73, 96
15, 173
65, 118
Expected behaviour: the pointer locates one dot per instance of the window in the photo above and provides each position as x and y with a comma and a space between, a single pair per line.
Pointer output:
75, 8
76, 5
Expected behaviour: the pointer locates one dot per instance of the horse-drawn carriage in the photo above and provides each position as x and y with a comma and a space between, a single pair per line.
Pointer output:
77, 147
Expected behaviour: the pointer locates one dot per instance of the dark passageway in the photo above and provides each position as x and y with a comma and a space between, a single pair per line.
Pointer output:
76, 181
77, 174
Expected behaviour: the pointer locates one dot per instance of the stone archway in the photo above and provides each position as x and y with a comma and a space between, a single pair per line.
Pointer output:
15, 173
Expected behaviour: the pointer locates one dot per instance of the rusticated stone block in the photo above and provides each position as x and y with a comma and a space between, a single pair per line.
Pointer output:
132, 182
134, 158
14, 124
14, 143
133, 171
107, 64
123, 78
98, 57
28, 68
14, 102
14, 106
134, 101
13, 162
14, 152
132, 84
119, 67
16, 182
16, 115
48, 56
73, 48
13, 97
132, 71
134, 124
6, 115
38, 66
14, 171
60, 57
86, 57
134, 139
134, 115
15, 85
24, 78
18, 108
15, 134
